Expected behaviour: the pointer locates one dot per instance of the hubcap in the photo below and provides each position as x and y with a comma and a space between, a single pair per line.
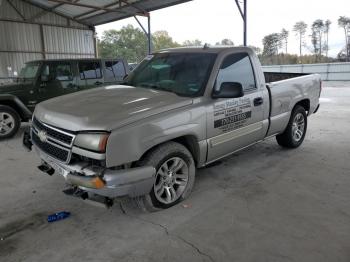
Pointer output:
298, 127
7, 123
171, 180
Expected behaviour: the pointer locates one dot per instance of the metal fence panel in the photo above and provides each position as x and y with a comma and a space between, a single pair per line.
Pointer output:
328, 72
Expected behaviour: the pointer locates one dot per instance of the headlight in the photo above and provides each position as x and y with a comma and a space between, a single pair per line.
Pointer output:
92, 141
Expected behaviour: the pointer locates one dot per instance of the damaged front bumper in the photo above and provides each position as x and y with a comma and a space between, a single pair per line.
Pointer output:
109, 183
106, 182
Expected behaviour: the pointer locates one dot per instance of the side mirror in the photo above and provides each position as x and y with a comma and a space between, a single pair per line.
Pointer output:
44, 78
229, 90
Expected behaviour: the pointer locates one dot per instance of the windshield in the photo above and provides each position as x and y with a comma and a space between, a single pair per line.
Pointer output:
181, 73
29, 71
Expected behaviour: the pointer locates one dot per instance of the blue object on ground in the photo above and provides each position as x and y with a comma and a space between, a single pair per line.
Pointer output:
58, 216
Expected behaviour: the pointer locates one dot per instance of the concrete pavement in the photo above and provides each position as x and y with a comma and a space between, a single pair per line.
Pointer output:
264, 203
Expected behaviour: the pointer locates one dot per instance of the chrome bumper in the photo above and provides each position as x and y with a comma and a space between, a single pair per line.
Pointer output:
131, 182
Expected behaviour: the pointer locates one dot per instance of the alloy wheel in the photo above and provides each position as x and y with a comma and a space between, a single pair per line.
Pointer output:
7, 123
171, 180
298, 127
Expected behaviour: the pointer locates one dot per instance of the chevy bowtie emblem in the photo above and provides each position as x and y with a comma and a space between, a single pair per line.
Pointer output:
42, 136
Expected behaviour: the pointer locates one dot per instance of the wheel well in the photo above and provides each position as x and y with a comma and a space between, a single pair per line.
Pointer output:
15, 107
188, 141
304, 103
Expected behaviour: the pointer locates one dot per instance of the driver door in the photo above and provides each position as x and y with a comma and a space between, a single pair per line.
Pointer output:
234, 123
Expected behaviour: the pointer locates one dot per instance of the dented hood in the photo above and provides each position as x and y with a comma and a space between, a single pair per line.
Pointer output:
106, 108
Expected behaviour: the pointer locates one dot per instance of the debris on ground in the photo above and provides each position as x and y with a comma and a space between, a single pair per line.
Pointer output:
58, 216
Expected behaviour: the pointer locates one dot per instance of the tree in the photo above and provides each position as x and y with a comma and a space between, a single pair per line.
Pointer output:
271, 43
318, 30
284, 38
195, 42
256, 49
225, 41
344, 22
327, 26
162, 40
128, 42
300, 29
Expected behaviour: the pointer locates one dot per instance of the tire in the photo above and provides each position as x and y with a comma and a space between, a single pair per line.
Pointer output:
293, 136
10, 122
168, 156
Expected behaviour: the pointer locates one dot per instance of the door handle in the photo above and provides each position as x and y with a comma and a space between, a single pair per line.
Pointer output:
98, 83
258, 101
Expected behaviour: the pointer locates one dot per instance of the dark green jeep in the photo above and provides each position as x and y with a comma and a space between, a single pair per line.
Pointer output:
44, 79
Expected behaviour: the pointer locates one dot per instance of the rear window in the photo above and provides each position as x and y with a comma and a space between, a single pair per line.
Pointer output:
90, 70
114, 70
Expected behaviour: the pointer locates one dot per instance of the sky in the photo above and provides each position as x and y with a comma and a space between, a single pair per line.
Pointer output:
213, 20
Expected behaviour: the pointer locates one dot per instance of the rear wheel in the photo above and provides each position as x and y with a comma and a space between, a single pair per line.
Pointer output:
295, 132
175, 175
9, 122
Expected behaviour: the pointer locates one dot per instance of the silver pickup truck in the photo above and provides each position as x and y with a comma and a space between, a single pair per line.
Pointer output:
179, 110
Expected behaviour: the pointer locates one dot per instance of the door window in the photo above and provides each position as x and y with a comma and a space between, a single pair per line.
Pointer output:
114, 70
237, 68
90, 70
64, 72
46, 72
57, 71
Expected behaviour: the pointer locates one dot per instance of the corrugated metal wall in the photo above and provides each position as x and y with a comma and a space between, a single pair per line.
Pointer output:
329, 72
31, 36
61, 40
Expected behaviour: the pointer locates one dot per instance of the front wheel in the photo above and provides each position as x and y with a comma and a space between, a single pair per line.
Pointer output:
295, 132
9, 122
175, 175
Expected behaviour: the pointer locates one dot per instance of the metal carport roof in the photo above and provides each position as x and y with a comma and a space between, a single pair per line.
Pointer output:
92, 13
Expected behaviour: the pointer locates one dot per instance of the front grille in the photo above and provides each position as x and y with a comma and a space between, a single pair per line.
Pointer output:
54, 151
64, 138
52, 141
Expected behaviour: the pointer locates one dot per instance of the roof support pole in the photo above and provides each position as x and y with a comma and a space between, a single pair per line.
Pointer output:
244, 17
147, 32
42, 41
245, 23
149, 36
94, 37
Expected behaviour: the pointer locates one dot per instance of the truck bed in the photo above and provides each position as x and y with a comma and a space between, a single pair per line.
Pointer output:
285, 90
277, 76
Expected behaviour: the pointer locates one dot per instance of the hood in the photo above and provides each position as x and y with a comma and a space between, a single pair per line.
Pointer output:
9, 88
106, 108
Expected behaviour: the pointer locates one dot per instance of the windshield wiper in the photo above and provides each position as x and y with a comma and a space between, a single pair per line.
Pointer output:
124, 83
157, 87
